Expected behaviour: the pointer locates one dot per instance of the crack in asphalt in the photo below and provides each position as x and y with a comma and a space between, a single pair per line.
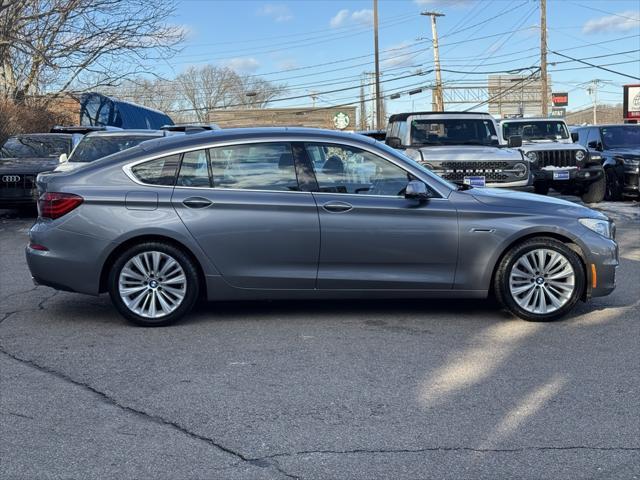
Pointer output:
39, 306
147, 416
21, 292
443, 449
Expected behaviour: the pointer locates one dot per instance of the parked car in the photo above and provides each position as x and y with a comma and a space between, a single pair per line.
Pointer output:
462, 147
556, 161
245, 214
618, 147
98, 144
379, 135
22, 157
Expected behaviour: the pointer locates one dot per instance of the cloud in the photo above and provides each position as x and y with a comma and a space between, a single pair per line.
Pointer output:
243, 64
278, 11
613, 23
364, 16
339, 19
344, 17
399, 55
287, 64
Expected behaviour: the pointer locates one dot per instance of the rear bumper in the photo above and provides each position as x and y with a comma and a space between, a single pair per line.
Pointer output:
73, 262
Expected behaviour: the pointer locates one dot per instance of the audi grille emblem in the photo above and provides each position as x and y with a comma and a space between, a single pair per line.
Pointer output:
11, 178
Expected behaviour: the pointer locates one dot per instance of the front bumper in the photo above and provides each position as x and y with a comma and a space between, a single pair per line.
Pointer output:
15, 196
601, 262
575, 175
631, 180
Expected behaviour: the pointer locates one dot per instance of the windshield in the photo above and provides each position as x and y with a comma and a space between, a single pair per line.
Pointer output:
622, 136
35, 147
540, 130
453, 132
93, 148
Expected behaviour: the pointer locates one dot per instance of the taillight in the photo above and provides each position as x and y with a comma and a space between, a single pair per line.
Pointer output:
54, 205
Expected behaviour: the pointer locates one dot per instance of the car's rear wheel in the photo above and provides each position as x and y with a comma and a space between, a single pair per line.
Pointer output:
614, 185
153, 284
540, 279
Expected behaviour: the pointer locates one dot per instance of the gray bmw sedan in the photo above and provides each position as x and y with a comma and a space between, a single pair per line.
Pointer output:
303, 213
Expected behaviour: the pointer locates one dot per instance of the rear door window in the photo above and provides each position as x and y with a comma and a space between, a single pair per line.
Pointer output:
256, 166
194, 170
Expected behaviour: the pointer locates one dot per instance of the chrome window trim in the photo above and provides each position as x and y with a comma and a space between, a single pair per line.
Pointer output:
444, 194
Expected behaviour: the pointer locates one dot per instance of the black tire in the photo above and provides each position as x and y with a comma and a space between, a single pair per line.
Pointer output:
192, 283
502, 275
594, 192
541, 188
613, 185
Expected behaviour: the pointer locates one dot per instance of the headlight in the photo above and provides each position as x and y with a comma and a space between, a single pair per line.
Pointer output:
601, 227
595, 157
520, 170
533, 156
631, 161
579, 155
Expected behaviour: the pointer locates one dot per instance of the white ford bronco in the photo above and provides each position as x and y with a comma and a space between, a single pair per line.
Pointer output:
462, 147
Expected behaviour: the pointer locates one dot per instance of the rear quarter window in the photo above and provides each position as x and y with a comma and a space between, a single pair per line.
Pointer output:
161, 171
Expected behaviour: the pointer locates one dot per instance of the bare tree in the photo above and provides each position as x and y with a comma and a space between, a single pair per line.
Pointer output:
210, 87
50, 46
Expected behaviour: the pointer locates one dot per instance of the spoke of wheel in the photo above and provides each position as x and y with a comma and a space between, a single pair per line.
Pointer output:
554, 259
164, 305
155, 256
542, 300
138, 263
554, 300
131, 290
525, 262
564, 273
179, 279
128, 272
524, 288
541, 255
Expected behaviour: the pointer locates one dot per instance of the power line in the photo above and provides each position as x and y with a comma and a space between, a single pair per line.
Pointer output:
595, 66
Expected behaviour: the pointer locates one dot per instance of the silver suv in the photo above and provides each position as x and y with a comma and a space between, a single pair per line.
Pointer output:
462, 147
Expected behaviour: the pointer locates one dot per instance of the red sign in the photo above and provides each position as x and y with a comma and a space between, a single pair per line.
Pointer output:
560, 99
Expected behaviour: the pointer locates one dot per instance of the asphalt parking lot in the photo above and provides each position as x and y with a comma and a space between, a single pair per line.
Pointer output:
318, 390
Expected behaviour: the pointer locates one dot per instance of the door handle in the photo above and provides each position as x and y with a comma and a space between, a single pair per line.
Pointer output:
337, 207
196, 202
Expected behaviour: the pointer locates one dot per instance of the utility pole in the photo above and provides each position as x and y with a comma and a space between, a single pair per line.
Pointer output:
593, 91
379, 119
438, 97
544, 97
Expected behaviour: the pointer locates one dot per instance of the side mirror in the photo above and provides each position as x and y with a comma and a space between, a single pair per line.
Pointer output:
416, 190
63, 158
594, 144
575, 137
515, 141
393, 142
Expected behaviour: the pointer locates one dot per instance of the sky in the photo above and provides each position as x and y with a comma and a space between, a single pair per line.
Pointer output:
317, 47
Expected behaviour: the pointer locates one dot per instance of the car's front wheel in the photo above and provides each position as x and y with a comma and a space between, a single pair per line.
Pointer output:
540, 279
153, 284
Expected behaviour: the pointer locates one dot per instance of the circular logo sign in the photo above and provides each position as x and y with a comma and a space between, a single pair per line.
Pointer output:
341, 120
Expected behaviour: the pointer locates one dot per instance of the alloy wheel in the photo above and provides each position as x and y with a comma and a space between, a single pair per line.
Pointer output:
542, 281
152, 284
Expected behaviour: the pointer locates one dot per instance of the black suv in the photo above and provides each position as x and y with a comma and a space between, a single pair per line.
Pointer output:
619, 149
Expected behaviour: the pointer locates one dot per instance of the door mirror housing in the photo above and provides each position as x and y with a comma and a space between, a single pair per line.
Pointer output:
515, 141
63, 158
416, 190
575, 136
594, 144
393, 142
